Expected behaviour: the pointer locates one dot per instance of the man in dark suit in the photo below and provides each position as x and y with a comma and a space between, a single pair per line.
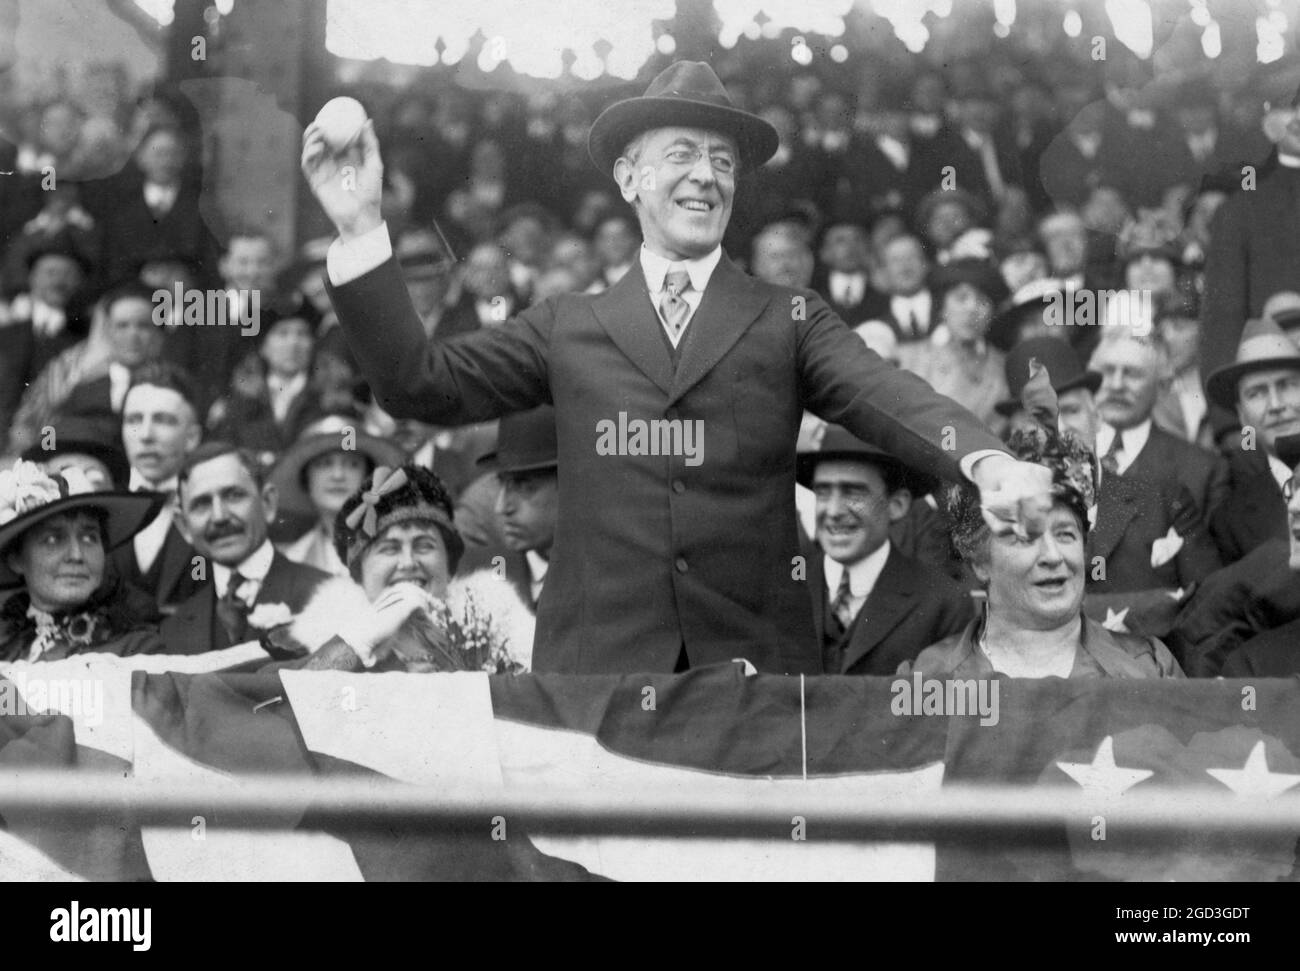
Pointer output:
159, 429
1156, 490
908, 303
225, 510
151, 212
1254, 250
873, 606
678, 396
525, 461
40, 324
1262, 386
841, 275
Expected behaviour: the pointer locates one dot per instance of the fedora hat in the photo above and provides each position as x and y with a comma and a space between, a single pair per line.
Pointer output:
320, 438
1283, 308
840, 443
686, 94
1063, 370
526, 442
1022, 307
28, 496
1263, 347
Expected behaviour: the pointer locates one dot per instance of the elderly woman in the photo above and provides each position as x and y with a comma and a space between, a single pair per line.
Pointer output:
55, 535
957, 360
1033, 624
400, 608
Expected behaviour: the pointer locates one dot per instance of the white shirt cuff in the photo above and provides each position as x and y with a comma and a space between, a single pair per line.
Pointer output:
968, 463
348, 260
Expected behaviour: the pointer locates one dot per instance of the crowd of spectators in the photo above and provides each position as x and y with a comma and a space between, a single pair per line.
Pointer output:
941, 212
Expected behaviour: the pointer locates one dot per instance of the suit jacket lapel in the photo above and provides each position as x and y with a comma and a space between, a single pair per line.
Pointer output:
175, 555
817, 589
626, 311
887, 604
195, 622
731, 303
1117, 505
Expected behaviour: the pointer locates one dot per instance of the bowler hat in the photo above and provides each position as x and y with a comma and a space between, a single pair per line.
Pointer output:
840, 443
526, 442
1053, 353
686, 94
1263, 347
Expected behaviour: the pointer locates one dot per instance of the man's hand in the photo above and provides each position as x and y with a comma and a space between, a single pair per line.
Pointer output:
1015, 496
348, 185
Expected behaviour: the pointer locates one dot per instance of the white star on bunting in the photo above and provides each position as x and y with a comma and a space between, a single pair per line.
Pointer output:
1255, 780
1102, 775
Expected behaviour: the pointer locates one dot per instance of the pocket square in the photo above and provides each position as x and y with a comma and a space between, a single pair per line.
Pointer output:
1166, 548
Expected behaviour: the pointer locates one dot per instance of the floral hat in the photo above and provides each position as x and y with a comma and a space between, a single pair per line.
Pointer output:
28, 496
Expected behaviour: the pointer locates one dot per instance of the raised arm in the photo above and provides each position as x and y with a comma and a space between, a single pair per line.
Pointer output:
476, 377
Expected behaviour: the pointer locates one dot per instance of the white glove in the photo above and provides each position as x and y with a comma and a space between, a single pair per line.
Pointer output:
383, 619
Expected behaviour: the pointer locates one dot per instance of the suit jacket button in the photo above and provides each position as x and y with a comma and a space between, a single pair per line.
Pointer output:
681, 564
679, 486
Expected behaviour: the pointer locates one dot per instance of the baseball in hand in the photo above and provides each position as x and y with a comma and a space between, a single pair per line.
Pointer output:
340, 121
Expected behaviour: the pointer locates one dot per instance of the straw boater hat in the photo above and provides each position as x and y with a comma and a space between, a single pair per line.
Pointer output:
320, 438
686, 94
1063, 368
28, 496
1263, 347
840, 443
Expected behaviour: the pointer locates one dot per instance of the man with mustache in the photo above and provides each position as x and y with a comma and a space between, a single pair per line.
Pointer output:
225, 509
1156, 490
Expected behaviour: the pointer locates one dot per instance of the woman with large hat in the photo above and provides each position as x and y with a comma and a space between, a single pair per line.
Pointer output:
316, 476
1033, 624
55, 536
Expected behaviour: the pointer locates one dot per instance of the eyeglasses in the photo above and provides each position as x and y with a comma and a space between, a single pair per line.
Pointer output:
690, 157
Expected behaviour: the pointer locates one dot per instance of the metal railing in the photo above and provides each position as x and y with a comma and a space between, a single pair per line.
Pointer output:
1000, 814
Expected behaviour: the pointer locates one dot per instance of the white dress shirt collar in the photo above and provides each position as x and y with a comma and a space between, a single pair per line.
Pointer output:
656, 268
138, 483
537, 567
254, 568
1288, 161
846, 288
863, 574
1135, 439
282, 392
119, 381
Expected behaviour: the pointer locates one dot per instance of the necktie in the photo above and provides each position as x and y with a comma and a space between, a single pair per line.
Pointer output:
1110, 461
232, 612
674, 308
841, 607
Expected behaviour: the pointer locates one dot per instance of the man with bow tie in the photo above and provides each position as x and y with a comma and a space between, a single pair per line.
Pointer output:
665, 557
159, 429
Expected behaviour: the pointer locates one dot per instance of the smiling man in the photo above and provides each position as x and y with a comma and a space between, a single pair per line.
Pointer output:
874, 606
659, 565
225, 509
1263, 386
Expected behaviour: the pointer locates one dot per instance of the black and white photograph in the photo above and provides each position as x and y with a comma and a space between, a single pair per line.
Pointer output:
653, 441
